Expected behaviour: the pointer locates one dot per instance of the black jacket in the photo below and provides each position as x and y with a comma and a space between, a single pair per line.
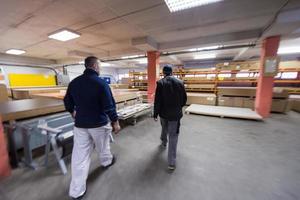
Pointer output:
170, 97
92, 99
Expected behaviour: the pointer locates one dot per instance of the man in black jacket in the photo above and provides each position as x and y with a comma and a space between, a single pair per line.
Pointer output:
170, 97
90, 101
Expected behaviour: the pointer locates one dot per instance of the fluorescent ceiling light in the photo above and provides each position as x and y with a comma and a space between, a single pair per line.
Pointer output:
15, 51
142, 61
81, 62
289, 50
177, 5
64, 35
133, 56
205, 56
103, 64
205, 48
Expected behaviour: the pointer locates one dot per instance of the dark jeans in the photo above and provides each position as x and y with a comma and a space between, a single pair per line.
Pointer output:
171, 129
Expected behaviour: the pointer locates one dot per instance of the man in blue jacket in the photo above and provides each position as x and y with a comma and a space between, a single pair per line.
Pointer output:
90, 101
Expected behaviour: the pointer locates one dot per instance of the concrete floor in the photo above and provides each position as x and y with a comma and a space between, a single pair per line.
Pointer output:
218, 159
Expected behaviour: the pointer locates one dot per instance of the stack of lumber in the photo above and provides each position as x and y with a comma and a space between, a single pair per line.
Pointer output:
244, 97
201, 98
199, 87
295, 102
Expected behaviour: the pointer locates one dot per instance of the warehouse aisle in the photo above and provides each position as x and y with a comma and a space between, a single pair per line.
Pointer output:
218, 159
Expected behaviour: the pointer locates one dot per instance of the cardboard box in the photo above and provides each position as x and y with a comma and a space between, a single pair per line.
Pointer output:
201, 98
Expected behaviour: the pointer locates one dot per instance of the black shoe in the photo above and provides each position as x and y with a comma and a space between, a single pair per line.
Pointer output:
113, 161
80, 197
171, 167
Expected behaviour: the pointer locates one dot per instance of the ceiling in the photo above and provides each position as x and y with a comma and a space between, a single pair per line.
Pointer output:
109, 27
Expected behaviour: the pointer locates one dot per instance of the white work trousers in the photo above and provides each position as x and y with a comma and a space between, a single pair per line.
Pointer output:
84, 142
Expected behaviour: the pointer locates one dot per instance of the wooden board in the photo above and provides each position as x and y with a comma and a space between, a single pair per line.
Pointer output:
3, 93
119, 86
21, 109
56, 95
221, 111
125, 96
118, 96
26, 93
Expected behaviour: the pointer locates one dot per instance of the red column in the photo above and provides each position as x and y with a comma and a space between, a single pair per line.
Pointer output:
264, 90
4, 159
153, 73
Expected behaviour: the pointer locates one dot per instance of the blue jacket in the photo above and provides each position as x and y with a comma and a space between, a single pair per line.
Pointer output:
92, 99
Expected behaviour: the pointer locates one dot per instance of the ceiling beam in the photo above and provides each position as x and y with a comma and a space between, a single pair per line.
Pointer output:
210, 40
24, 60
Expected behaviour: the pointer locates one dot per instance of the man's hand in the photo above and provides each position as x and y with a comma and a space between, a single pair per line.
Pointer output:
155, 119
116, 127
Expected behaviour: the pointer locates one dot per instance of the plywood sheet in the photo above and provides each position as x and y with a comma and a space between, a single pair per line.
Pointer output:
221, 111
14, 110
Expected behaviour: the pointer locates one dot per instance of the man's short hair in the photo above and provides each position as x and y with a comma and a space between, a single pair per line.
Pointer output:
167, 70
90, 61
